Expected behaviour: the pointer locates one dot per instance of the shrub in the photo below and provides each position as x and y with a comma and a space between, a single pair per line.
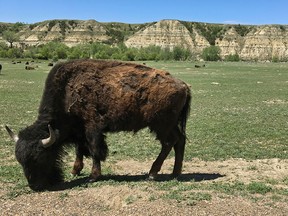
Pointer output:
56, 50
180, 53
232, 58
275, 59
211, 53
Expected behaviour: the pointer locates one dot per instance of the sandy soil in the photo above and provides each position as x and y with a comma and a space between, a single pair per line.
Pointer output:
114, 199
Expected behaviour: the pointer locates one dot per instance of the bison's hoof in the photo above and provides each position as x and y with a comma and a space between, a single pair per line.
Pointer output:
90, 180
77, 169
93, 178
175, 175
152, 177
74, 173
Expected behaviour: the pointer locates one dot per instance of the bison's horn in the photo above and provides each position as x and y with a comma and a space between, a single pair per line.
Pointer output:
51, 139
12, 135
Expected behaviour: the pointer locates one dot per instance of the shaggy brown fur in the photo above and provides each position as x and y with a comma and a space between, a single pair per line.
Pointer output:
83, 99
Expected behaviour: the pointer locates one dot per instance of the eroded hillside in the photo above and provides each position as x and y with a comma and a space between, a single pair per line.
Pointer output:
249, 42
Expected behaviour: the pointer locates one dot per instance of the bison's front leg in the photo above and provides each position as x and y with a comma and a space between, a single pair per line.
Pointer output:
95, 171
98, 150
78, 164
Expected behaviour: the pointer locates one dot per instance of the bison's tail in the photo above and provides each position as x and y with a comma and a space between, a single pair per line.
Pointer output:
185, 113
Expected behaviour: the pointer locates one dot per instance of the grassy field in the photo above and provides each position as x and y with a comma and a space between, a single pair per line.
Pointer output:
239, 110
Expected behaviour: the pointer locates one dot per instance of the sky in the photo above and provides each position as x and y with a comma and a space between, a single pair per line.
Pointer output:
245, 12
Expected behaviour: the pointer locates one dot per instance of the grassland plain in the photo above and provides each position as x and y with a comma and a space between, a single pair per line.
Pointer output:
236, 159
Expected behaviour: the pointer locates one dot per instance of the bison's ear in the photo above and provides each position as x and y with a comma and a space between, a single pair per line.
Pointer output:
51, 139
14, 137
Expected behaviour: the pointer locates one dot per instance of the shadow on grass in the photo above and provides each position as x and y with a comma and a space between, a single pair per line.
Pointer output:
186, 177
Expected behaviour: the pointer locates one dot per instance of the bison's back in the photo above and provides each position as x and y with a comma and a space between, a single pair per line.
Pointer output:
120, 96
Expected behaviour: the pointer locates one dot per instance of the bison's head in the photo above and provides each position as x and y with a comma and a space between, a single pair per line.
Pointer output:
39, 156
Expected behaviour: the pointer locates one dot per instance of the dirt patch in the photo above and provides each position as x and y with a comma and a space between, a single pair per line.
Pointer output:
141, 199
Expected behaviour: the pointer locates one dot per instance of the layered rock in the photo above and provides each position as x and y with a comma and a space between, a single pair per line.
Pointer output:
167, 34
263, 43
266, 43
199, 41
230, 44
86, 31
70, 32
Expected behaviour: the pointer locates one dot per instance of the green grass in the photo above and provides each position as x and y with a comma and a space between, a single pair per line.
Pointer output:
243, 115
239, 110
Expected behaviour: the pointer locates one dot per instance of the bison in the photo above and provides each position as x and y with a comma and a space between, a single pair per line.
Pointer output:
199, 66
29, 68
0, 68
84, 99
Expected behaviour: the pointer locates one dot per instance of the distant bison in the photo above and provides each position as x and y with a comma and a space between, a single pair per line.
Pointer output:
0, 68
29, 68
84, 99
199, 66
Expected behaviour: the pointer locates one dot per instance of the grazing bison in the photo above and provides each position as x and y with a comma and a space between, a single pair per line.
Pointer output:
29, 68
199, 66
84, 99
0, 68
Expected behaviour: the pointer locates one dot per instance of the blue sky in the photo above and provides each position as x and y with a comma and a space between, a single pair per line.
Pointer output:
256, 12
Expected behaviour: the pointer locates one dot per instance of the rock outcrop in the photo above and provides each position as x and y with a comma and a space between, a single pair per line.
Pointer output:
266, 43
167, 34
263, 43
70, 32
231, 43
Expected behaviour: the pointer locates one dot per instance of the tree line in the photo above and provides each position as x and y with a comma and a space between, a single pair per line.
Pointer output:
56, 50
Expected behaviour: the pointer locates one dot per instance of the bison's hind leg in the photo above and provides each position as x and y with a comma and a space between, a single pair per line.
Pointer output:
174, 139
179, 148
156, 166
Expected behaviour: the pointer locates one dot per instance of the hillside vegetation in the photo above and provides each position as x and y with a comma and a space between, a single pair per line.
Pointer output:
264, 43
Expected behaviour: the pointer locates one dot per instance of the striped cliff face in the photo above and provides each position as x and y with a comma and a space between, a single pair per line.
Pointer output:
262, 43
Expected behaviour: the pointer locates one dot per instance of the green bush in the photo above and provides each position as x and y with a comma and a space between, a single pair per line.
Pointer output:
242, 30
275, 59
211, 53
56, 50
14, 53
232, 58
180, 54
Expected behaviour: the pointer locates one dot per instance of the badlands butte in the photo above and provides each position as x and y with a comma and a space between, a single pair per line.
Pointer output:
250, 42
